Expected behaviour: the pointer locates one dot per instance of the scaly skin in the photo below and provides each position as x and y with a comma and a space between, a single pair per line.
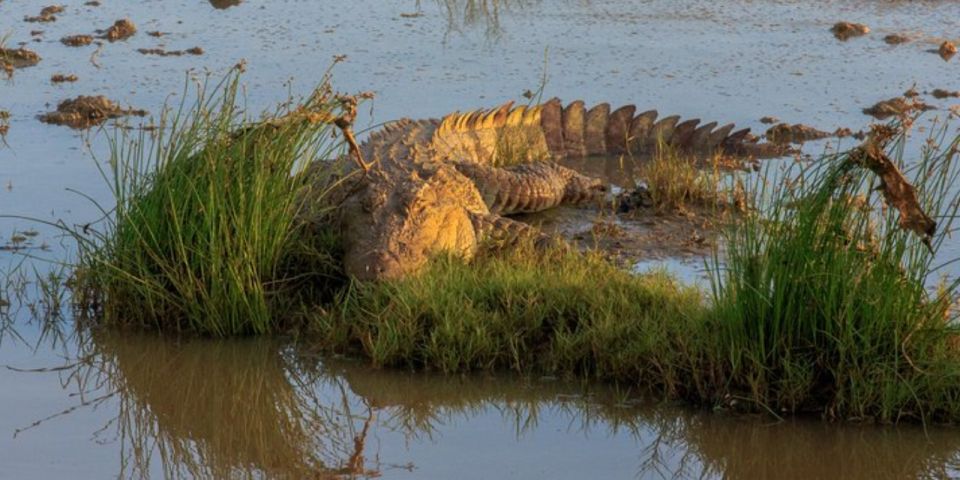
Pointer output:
436, 185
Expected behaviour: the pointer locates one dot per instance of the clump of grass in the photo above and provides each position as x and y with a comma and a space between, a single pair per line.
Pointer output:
677, 182
550, 311
823, 302
206, 214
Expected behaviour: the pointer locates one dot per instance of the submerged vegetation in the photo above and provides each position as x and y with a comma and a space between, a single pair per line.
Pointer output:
821, 303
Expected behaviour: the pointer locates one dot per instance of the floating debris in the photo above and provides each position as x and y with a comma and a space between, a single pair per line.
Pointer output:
120, 30
411, 15
769, 120
156, 33
36, 33
170, 53
895, 107
77, 40
846, 30
92, 3
784, 133
60, 78
896, 39
47, 14
940, 93
87, 111
947, 50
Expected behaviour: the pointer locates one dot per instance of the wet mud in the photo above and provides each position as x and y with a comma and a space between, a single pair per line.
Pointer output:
896, 107
87, 111
77, 40
63, 78
896, 39
47, 14
784, 133
940, 93
847, 30
120, 30
18, 58
947, 50
170, 53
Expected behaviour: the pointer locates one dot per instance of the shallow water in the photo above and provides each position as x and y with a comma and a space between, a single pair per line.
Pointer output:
262, 409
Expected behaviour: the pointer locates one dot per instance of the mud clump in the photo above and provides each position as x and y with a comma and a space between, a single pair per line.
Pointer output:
170, 53
11, 59
769, 120
47, 14
784, 133
92, 3
947, 50
77, 40
940, 94
120, 30
156, 33
895, 39
87, 111
847, 30
61, 78
896, 107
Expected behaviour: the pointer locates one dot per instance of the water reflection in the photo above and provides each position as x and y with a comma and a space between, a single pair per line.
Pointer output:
484, 14
258, 408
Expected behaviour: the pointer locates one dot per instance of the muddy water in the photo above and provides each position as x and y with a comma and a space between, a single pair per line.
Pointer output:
135, 406
130, 406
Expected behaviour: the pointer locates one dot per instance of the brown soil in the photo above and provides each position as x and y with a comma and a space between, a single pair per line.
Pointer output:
784, 133
846, 30
77, 40
60, 78
120, 30
896, 39
170, 53
87, 111
947, 50
940, 93
47, 14
895, 107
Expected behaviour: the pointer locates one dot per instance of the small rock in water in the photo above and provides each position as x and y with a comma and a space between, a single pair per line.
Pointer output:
769, 120
846, 30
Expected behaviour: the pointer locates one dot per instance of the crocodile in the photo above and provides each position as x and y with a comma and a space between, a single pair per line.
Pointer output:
428, 186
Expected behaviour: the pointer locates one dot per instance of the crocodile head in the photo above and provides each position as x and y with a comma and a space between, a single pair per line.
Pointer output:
394, 223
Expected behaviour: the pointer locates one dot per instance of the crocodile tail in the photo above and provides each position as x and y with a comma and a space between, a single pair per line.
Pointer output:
575, 131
